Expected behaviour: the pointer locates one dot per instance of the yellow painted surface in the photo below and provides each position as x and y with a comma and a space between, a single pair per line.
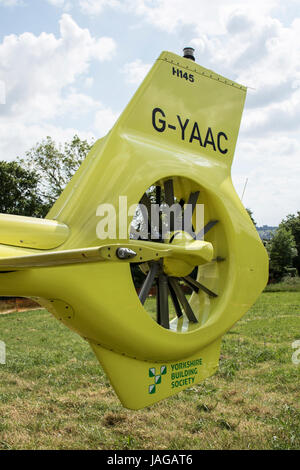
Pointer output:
143, 148
30, 232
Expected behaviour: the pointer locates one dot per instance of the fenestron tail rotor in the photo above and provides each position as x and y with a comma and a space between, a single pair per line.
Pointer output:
175, 287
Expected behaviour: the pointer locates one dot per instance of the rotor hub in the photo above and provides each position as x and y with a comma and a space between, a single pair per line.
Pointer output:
175, 267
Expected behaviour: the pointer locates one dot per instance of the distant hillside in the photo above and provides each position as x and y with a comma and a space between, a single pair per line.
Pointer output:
266, 231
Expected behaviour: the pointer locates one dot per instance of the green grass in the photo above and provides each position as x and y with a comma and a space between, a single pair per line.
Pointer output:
54, 395
288, 284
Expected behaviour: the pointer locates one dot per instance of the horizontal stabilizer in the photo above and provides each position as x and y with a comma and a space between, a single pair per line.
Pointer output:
53, 258
196, 252
32, 232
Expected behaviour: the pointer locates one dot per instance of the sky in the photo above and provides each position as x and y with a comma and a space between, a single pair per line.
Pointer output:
70, 67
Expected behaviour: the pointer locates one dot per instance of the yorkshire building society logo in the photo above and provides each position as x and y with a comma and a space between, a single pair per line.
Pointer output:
157, 378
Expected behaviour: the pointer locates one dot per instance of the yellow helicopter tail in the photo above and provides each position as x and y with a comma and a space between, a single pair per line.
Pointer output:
177, 134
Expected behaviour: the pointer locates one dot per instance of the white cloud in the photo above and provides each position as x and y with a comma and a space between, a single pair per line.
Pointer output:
57, 3
95, 7
171, 14
88, 82
66, 5
104, 120
279, 117
272, 168
77, 104
262, 55
41, 75
135, 71
87, 7
208, 17
16, 136
2, 92
10, 3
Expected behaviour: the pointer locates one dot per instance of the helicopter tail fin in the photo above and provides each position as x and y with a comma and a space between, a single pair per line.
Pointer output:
181, 109
183, 104
141, 383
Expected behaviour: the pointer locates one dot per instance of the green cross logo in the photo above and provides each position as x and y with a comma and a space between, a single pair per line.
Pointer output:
157, 378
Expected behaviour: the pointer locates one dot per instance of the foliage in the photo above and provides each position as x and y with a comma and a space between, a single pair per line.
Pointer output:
55, 164
137, 274
287, 284
282, 250
250, 213
19, 193
266, 231
292, 223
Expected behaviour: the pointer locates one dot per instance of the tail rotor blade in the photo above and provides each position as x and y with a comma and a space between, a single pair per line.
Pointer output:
191, 284
193, 200
205, 229
188, 213
175, 301
163, 301
196, 286
158, 195
148, 282
169, 192
158, 204
169, 199
182, 299
157, 302
147, 203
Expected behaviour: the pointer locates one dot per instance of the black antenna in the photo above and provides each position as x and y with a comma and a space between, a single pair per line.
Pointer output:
188, 53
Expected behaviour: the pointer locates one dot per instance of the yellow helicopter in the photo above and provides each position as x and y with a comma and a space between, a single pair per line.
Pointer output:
172, 146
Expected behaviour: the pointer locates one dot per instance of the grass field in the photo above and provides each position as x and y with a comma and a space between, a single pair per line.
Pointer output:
288, 284
54, 395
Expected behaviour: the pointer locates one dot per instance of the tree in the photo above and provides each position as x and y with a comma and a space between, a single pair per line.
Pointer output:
292, 223
250, 213
282, 250
55, 165
19, 191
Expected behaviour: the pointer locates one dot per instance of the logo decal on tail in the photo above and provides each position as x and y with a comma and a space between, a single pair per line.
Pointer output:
157, 378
